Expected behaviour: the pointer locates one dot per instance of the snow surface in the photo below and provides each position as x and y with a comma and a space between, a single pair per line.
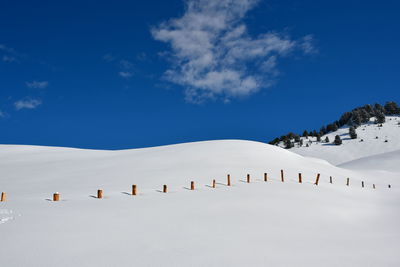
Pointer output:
353, 149
257, 224
389, 161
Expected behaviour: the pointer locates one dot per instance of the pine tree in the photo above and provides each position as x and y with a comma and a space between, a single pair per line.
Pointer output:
338, 140
352, 132
327, 139
323, 130
288, 144
318, 138
355, 118
380, 117
391, 108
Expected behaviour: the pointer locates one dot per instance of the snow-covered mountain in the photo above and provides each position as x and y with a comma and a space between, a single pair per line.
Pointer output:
271, 223
372, 139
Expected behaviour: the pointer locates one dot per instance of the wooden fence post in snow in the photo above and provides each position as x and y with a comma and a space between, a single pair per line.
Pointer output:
229, 180
248, 178
330, 179
165, 189
213, 184
56, 196
134, 190
317, 181
99, 193
300, 178
362, 184
282, 177
389, 186
191, 185
348, 182
3, 196
265, 177
373, 186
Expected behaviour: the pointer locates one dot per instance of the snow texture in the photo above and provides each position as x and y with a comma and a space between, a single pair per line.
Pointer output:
258, 224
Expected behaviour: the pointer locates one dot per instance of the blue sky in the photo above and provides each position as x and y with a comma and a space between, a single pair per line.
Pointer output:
128, 74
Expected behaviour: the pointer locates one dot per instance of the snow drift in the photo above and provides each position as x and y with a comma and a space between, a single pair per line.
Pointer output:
257, 224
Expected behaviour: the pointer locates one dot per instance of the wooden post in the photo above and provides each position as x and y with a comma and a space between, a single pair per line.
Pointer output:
3, 196
330, 179
265, 177
99, 193
373, 186
248, 178
229, 180
134, 190
56, 196
165, 188
389, 186
300, 178
348, 182
191, 185
362, 184
213, 184
317, 181
282, 177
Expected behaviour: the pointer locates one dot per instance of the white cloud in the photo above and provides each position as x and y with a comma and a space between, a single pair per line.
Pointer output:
7, 58
108, 57
37, 84
125, 64
2, 114
213, 55
28, 103
307, 44
125, 74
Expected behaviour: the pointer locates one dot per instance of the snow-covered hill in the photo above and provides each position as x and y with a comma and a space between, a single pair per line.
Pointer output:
258, 224
389, 161
371, 140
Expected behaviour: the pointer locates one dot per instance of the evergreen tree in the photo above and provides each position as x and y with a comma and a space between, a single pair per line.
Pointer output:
352, 132
392, 108
314, 133
378, 108
365, 116
335, 126
288, 144
380, 117
305, 134
338, 140
344, 119
323, 130
318, 138
297, 138
355, 118
327, 139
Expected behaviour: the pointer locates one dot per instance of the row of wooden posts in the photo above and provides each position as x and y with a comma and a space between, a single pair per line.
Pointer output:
56, 196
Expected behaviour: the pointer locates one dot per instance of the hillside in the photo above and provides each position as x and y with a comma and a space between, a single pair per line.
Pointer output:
258, 224
370, 141
389, 161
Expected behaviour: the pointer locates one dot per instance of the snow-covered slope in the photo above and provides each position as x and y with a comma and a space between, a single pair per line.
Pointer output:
257, 224
353, 149
389, 161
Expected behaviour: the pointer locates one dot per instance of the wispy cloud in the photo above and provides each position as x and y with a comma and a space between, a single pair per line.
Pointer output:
37, 84
2, 114
125, 66
125, 74
7, 58
27, 103
213, 55
9, 54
